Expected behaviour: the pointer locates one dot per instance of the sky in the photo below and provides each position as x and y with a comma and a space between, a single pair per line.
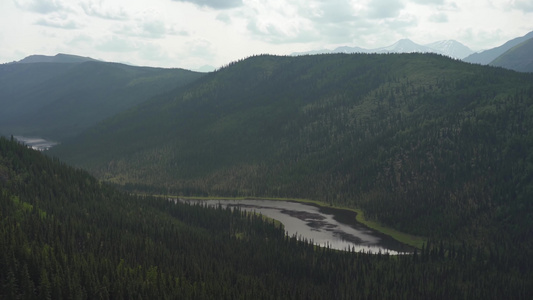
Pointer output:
193, 33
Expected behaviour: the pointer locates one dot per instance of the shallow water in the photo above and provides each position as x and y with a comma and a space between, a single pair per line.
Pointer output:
36, 142
335, 228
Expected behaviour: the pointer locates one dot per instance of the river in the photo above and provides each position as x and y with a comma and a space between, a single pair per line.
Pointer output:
325, 226
36, 143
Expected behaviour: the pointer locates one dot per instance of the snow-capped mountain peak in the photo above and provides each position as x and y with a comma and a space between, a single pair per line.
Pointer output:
451, 48
404, 46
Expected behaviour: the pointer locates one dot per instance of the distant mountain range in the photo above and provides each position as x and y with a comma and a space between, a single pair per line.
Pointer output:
450, 48
517, 59
487, 56
58, 58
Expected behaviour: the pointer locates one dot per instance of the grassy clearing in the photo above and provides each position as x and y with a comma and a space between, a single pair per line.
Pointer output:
408, 239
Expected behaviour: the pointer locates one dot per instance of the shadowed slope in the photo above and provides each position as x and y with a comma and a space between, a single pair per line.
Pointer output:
61, 99
427, 144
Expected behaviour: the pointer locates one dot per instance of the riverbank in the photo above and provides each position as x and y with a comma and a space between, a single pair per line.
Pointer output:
408, 239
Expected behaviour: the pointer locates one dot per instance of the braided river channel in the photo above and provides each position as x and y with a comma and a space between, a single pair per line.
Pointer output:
324, 226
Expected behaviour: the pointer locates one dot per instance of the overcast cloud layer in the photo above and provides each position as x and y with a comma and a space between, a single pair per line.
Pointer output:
192, 33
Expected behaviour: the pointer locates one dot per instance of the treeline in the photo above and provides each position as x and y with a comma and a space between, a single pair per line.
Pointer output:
60, 100
65, 235
423, 143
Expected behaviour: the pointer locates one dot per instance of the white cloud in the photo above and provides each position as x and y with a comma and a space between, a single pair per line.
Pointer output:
215, 4
201, 47
153, 52
429, 2
223, 17
401, 22
180, 33
148, 29
438, 18
384, 8
155, 29
334, 11
524, 5
304, 21
449, 6
81, 40
149, 25
275, 22
58, 20
102, 10
116, 44
40, 6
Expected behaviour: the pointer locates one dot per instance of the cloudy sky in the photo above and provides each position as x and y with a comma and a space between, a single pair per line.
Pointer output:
193, 33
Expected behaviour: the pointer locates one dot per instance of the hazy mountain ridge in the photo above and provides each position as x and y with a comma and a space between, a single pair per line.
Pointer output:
392, 134
60, 99
449, 48
487, 56
405, 46
58, 58
518, 58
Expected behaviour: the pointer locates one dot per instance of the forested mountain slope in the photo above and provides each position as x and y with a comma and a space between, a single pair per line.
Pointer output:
487, 56
518, 58
421, 142
65, 235
61, 98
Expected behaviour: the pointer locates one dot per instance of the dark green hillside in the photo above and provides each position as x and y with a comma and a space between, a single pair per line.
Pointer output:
65, 235
519, 58
426, 144
57, 100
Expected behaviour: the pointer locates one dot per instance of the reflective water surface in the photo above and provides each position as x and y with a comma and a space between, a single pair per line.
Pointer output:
335, 228
36, 143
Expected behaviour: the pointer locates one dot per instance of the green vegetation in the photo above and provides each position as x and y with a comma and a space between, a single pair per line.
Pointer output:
407, 239
59, 100
518, 58
427, 145
424, 144
95, 242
